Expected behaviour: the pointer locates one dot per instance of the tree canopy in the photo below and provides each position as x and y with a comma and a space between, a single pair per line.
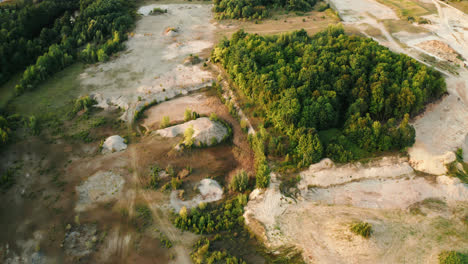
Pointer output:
257, 9
308, 85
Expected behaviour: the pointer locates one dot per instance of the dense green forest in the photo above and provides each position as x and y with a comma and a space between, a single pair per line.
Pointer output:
101, 27
27, 31
330, 95
257, 9
52, 34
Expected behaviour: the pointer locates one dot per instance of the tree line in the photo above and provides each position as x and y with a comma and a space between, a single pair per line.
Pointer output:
101, 27
256, 9
310, 86
26, 31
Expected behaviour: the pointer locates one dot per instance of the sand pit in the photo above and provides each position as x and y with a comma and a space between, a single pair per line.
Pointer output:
175, 109
381, 193
205, 131
391, 194
113, 144
152, 67
326, 173
99, 188
210, 191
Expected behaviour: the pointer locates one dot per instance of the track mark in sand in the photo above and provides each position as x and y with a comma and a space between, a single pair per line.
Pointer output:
164, 225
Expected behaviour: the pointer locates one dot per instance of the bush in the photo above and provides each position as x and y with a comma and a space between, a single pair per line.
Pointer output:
362, 228
187, 115
83, 103
239, 182
158, 11
165, 122
188, 137
214, 117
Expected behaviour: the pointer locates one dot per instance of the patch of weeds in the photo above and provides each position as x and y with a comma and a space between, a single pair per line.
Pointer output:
165, 242
83, 136
362, 228
454, 171
289, 187
143, 217
452, 257
154, 177
57, 181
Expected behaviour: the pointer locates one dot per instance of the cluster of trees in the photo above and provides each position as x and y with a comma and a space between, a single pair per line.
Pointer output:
306, 86
26, 31
203, 253
256, 9
102, 25
208, 219
262, 170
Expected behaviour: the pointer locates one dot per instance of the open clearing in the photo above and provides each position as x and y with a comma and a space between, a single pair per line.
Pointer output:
133, 80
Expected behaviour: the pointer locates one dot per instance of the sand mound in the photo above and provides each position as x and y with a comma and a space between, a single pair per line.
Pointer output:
101, 187
210, 191
205, 130
113, 144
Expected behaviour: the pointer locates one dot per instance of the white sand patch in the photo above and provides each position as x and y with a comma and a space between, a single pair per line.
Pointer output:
210, 191
114, 144
151, 69
204, 131
326, 173
353, 10
99, 188
391, 194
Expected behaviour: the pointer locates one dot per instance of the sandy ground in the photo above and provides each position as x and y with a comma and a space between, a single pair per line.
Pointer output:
133, 79
378, 193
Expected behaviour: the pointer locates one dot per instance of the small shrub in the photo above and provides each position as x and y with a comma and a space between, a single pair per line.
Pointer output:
459, 154
188, 136
158, 11
154, 177
187, 115
362, 228
214, 117
239, 182
176, 183
165, 242
165, 122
